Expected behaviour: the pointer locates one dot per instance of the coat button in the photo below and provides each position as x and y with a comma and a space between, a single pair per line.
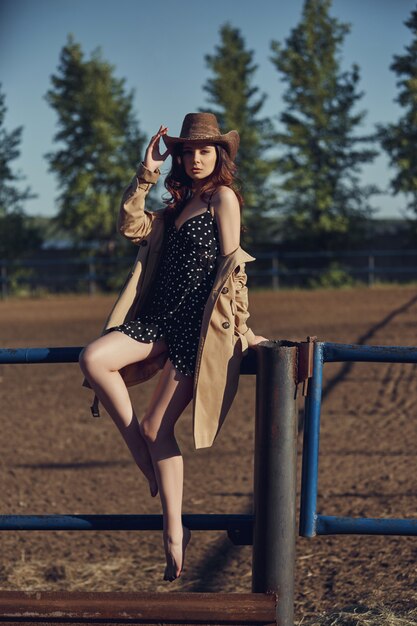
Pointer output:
226, 325
225, 290
144, 242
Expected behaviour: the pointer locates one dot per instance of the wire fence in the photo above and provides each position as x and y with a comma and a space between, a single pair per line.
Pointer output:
333, 269
273, 269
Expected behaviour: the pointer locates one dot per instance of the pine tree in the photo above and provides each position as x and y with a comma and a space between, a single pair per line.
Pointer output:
18, 236
100, 143
323, 202
11, 197
237, 105
399, 140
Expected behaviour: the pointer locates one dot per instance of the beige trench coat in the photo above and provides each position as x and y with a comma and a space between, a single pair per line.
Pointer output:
224, 336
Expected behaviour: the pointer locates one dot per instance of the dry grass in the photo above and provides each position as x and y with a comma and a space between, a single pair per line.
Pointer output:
364, 616
38, 575
116, 574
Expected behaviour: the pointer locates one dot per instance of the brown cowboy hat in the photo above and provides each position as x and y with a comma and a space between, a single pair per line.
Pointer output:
200, 127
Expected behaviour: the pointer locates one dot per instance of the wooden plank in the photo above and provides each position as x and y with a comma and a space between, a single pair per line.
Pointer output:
140, 608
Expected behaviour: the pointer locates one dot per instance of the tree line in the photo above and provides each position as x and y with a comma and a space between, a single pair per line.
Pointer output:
300, 178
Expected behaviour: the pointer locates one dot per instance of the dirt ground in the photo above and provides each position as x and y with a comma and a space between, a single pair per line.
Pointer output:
55, 458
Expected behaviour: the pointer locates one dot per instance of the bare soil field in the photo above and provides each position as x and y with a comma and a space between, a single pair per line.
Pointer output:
55, 458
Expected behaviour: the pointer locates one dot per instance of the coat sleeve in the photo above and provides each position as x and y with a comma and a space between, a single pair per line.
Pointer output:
241, 299
134, 221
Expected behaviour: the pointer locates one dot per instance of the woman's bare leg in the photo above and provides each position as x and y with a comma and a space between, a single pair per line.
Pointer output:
171, 396
100, 362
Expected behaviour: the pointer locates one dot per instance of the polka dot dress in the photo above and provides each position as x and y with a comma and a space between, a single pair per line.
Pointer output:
174, 308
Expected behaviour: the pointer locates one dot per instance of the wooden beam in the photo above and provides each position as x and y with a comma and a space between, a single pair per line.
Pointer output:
246, 609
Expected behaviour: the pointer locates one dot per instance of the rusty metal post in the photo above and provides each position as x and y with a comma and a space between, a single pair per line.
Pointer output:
275, 475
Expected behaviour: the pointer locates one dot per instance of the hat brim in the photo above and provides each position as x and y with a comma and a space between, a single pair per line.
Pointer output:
229, 140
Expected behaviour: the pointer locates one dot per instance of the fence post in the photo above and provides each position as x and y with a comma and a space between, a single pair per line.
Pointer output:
92, 285
371, 270
275, 475
275, 274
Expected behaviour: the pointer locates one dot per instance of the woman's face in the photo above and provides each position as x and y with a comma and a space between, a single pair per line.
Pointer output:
199, 160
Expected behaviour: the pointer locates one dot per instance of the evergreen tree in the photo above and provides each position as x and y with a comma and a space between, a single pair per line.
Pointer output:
100, 143
11, 197
324, 204
399, 140
237, 105
17, 234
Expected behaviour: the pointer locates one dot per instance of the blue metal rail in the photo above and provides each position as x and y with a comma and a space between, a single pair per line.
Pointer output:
235, 525
15, 356
311, 523
239, 527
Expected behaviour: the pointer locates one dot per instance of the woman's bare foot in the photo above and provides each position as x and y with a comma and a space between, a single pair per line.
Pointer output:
175, 554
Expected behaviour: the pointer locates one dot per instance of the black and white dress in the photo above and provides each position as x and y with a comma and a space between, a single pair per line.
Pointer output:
175, 306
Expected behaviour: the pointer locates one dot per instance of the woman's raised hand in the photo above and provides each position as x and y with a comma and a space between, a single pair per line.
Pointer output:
153, 157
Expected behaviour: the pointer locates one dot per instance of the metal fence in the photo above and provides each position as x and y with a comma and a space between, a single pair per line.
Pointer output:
279, 366
274, 269
333, 269
270, 529
62, 275
312, 523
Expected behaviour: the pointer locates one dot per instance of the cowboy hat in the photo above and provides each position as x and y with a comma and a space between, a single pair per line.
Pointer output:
198, 127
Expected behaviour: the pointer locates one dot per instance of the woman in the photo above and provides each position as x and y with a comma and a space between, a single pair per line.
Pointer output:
183, 309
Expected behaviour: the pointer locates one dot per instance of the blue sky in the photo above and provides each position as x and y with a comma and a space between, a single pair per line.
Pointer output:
159, 47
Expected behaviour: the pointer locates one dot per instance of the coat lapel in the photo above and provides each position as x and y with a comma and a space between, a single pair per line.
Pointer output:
226, 264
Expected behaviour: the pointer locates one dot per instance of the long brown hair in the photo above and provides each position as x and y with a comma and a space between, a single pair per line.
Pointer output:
179, 185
